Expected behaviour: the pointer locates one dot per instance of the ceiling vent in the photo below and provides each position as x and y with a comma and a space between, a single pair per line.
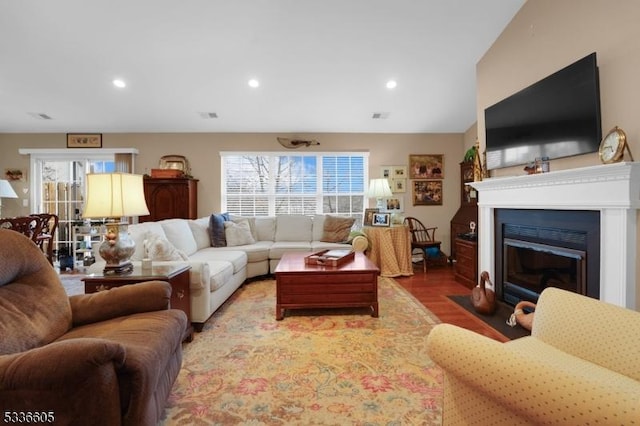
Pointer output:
40, 116
208, 115
380, 115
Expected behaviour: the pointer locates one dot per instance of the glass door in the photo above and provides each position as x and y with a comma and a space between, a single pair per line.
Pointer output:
59, 189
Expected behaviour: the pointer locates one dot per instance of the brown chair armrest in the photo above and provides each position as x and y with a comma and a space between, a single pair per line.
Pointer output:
73, 381
120, 301
66, 362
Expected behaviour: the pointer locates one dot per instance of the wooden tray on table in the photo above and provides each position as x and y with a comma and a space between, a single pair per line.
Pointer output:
334, 257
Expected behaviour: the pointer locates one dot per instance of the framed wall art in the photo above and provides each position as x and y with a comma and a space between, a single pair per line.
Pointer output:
393, 204
427, 193
368, 216
398, 185
15, 174
84, 140
381, 219
428, 166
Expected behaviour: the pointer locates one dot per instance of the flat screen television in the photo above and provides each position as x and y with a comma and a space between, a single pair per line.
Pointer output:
559, 116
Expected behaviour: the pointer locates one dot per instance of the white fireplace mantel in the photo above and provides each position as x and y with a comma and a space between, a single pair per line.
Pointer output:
612, 189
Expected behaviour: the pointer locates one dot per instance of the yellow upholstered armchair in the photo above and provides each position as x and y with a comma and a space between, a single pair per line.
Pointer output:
581, 365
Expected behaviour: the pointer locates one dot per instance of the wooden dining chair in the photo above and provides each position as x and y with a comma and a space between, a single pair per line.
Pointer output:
48, 226
422, 238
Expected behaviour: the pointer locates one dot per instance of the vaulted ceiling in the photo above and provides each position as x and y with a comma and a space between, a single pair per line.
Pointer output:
322, 65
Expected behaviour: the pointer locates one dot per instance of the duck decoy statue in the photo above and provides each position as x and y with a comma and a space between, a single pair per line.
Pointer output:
483, 299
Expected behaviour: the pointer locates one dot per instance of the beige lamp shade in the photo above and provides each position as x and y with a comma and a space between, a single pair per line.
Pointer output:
379, 188
114, 195
6, 191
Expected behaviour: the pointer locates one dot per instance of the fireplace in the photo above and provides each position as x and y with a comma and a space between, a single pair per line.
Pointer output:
536, 249
611, 192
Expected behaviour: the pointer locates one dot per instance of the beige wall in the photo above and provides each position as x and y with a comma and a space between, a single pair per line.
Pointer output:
202, 151
547, 35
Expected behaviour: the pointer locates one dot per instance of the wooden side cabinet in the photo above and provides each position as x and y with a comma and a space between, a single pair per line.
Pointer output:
170, 198
468, 211
466, 265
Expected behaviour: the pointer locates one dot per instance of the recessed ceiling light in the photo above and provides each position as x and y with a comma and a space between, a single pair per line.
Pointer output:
253, 83
119, 83
391, 84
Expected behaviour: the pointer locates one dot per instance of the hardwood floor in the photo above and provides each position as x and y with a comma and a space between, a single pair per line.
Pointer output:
432, 290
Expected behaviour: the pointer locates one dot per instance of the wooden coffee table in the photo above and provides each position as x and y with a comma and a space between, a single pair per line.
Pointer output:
176, 275
301, 286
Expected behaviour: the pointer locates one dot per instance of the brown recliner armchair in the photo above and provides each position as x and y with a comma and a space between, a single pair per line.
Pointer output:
107, 358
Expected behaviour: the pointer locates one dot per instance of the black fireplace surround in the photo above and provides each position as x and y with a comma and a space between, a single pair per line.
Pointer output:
541, 248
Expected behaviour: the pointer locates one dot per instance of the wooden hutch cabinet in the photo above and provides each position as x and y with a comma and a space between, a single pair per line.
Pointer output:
468, 211
465, 251
169, 198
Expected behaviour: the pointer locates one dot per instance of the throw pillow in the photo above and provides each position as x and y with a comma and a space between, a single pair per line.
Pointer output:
238, 233
216, 229
336, 229
159, 248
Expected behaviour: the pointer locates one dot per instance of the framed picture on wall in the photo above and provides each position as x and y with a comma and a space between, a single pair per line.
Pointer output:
428, 166
84, 140
393, 204
427, 192
398, 185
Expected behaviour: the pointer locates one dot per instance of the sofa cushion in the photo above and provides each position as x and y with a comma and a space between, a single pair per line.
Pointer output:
318, 226
139, 232
237, 258
280, 247
216, 229
179, 233
293, 228
200, 230
252, 224
159, 248
336, 229
221, 273
238, 233
266, 228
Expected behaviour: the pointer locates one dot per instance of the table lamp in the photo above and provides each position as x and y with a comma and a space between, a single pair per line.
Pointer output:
113, 196
379, 189
6, 191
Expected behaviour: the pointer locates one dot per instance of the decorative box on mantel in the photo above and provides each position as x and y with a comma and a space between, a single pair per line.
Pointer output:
612, 189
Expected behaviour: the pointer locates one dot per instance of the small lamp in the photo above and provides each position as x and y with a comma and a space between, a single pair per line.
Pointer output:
6, 191
113, 196
379, 189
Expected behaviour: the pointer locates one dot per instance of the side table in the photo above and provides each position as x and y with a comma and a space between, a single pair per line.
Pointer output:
176, 275
390, 249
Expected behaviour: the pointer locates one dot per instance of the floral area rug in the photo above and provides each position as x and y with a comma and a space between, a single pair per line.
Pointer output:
315, 367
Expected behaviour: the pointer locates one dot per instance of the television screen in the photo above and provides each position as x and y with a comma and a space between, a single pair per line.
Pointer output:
559, 116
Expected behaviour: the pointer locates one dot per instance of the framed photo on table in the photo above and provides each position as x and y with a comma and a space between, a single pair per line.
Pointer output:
368, 216
381, 219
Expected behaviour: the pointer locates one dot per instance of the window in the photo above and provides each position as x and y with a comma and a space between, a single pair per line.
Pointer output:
256, 184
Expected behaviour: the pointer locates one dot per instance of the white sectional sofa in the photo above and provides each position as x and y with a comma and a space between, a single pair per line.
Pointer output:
216, 272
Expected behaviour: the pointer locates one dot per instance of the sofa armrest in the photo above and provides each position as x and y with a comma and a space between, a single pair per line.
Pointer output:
49, 378
120, 301
529, 386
